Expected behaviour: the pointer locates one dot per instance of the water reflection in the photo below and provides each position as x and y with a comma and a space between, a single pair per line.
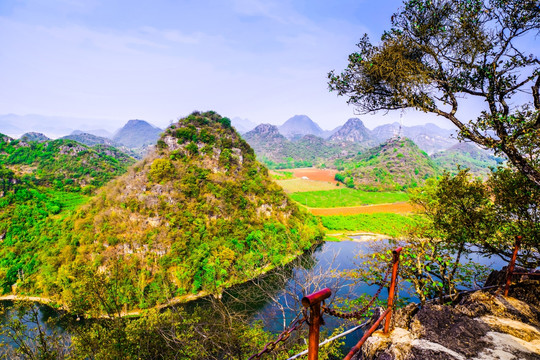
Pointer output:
274, 298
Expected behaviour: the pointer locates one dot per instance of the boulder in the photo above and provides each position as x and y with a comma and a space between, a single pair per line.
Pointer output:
481, 325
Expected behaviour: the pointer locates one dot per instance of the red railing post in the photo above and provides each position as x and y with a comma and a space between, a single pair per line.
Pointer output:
367, 334
392, 288
511, 265
313, 301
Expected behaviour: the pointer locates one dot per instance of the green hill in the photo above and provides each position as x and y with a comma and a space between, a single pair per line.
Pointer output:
63, 164
468, 156
397, 164
198, 214
41, 184
278, 152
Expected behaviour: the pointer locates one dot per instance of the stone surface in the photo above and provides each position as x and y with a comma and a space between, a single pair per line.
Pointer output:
480, 326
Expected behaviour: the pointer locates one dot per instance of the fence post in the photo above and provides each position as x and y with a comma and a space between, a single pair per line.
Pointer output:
392, 288
511, 265
313, 301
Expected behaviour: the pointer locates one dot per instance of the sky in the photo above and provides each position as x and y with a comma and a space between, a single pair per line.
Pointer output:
115, 60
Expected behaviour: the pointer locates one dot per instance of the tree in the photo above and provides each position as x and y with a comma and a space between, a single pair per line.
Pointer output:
440, 54
517, 210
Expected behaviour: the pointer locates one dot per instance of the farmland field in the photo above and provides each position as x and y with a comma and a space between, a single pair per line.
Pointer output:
343, 209
345, 197
316, 174
281, 174
300, 185
394, 225
400, 208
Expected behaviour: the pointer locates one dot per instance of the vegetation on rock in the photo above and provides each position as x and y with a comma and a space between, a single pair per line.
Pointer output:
198, 214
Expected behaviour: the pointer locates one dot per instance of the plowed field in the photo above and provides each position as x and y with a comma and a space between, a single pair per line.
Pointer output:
396, 208
315, 174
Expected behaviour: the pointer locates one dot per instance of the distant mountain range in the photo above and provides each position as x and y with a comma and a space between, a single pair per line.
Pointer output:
298, 126
91, 139
52, 126
97, 132
277, 151
137, 134
242, 125
134, 138
428, 137
34, 136
353, 131
278, 145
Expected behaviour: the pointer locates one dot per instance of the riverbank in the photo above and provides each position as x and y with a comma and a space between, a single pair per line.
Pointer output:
356, 236
178, 300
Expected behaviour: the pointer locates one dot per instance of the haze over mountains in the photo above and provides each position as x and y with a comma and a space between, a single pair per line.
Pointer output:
137, 133
428, 137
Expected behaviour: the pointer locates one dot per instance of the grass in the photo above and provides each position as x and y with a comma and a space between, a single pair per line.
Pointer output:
394, 225
347, 197
281, 175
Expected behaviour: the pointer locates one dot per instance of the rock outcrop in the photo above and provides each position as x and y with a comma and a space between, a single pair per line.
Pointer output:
480, 326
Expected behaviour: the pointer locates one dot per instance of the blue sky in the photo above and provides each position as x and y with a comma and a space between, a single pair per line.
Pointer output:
159, 60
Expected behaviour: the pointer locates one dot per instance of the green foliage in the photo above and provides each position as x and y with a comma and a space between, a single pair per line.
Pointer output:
161, 169
516, 200
26, 333
282, 175
346, 197
201, 224
64, 164
290, 164
458, 207
426, 264
393, 225
277, 152
386, 168
466, 156
437, 51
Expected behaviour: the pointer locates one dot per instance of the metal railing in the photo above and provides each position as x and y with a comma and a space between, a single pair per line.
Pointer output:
511, 266
314, 305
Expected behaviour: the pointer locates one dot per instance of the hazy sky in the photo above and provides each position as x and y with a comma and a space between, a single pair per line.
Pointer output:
158, 60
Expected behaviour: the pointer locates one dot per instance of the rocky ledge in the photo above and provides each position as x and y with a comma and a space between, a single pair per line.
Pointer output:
478, 326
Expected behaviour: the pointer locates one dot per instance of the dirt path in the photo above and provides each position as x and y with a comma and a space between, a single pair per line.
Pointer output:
396, 208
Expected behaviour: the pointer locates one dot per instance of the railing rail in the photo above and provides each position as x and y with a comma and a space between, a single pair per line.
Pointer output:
314, 303
511, 266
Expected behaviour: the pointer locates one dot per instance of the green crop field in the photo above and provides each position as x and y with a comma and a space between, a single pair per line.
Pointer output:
281, 175
347, 197
394, 225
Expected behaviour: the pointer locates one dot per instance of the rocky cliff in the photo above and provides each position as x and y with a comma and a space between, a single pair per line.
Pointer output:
479, 326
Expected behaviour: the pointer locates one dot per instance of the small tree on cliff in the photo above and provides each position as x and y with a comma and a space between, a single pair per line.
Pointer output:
439, 54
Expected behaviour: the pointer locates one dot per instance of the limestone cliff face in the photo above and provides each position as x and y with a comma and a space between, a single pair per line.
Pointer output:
480, 326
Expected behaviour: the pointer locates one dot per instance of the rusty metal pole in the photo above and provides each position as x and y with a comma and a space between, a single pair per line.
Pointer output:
313, 301
511, 265
392, 288
367, 334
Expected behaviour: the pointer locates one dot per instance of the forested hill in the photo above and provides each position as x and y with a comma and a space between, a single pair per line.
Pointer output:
40, 184
397, 164
63, 164
198, 214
